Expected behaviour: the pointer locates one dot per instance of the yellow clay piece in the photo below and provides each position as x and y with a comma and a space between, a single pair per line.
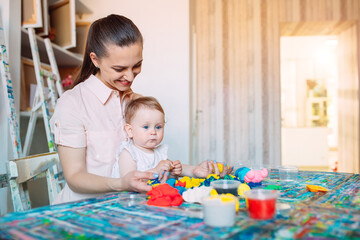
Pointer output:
228, 197
316, 188
243, 188
221, 167
213, 175
213, 192
191, 182
225, 198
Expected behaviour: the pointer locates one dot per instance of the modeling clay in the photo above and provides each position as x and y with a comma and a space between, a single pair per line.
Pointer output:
180, 184
192, 182
153, 182
227, 198
241, 172
242, 188
164, 195
315, 188
273, 187
213, 192
209, 179
180, 189
248, 175
221, 167
256, 176
196, 194
229, 177
171, 182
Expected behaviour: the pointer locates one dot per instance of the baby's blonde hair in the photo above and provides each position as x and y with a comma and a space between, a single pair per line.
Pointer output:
141, 102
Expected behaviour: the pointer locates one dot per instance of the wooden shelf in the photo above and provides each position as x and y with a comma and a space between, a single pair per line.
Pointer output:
64, 58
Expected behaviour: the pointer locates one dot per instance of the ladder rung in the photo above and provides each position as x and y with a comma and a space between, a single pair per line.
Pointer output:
47, 73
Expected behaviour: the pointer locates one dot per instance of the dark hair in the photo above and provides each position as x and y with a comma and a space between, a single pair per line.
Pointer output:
142, 102
113, 29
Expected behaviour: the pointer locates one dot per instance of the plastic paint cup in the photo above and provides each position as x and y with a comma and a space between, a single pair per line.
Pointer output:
226, 186
261, 203
288, 173
218, 213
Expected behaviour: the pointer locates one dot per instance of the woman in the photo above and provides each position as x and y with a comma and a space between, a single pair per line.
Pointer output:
88, 122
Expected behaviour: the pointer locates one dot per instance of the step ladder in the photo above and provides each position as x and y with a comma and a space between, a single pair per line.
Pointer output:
12, 119
19, 192
41, 99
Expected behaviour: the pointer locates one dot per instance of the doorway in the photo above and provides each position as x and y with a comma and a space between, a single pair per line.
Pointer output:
319, 97
309, 102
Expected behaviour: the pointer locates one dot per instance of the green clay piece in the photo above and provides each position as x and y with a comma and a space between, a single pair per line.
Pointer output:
228, 177
273, 187
46, 221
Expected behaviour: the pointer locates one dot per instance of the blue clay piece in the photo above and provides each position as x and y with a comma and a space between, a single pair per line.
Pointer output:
171, 182
241, 172
228, 177
154, 181
252, 185
180, 189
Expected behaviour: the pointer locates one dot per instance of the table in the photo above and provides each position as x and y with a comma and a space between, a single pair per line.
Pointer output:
300, 214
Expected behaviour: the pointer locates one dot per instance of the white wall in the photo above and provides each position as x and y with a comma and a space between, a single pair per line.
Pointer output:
165, 74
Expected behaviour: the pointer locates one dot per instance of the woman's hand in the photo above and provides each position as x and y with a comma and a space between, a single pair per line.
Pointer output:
205, 168
137, 181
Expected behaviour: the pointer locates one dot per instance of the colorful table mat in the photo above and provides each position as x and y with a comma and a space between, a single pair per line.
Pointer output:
300, 214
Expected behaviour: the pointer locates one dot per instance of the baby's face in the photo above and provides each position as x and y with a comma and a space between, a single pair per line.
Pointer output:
147, 128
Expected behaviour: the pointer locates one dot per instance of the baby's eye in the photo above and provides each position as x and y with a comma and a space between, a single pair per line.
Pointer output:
146, 127
158, 127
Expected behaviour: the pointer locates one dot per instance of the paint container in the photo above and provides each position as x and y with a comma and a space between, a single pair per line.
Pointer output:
288, 173
219, 213
261, 203
226, 186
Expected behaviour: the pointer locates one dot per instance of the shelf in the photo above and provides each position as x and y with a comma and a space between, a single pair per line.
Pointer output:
64, 58
80, 7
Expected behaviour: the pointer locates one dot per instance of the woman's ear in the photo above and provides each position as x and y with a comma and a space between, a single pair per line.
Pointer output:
128, 129
94, 59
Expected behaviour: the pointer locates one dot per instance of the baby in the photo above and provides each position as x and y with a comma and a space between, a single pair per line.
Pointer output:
145, 121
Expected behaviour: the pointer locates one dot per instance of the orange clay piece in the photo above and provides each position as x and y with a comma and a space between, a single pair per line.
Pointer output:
315, 188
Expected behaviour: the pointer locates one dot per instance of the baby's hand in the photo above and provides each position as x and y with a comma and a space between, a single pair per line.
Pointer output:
177, 168
163, 168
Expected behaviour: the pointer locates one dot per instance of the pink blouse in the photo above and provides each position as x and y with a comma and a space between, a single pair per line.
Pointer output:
90, 116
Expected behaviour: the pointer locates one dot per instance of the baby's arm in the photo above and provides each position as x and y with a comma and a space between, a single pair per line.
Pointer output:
126, 163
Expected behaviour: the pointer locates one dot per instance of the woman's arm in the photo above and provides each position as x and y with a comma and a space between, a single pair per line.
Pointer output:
80, 181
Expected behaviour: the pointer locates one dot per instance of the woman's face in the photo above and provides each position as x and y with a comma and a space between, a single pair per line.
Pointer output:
121, 65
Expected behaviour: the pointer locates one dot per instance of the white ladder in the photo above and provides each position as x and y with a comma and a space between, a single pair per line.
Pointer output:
41, 100
19, 192
11, 112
